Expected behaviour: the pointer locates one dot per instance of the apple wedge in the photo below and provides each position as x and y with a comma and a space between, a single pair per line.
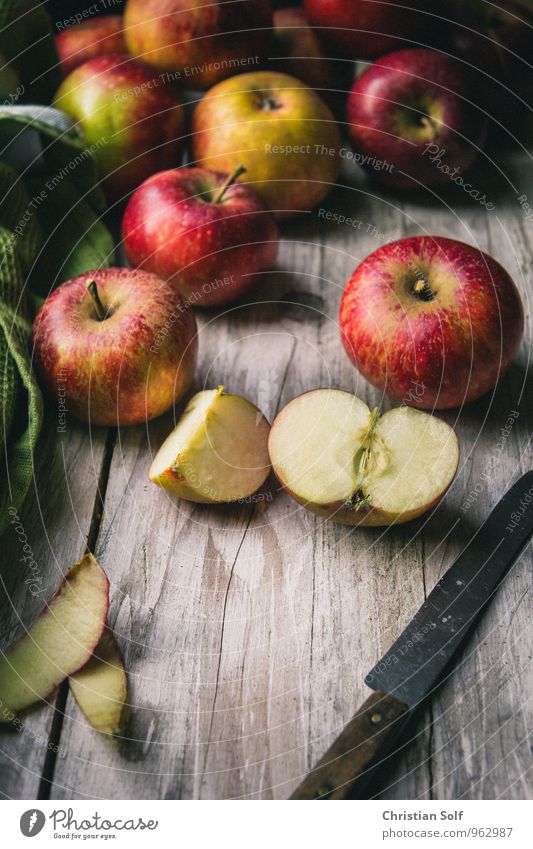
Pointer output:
100, 686
218, 451
358, 467
60, 640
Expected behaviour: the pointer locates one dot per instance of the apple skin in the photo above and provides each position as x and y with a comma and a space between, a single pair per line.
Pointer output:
204, 41
364, 29
431, 354
257, 112
130, 367
298, 51
171, 228
129, 117
494, 40
89, 39
383, 116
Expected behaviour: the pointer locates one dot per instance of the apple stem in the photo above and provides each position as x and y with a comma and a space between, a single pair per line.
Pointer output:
428, 123
98, 305
423, 290
229, 182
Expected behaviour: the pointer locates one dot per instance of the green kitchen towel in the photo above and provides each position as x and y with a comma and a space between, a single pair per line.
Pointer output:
50, 230
21, 407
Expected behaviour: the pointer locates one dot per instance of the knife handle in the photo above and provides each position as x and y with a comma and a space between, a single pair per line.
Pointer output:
336, 774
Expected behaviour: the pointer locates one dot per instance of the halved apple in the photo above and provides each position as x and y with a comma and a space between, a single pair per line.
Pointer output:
347, 463
60, 641
218, 451
100, 686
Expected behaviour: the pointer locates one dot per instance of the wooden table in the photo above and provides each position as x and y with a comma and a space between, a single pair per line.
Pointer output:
247, 629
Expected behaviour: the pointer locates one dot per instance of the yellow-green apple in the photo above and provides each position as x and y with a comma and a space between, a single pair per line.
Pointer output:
201, 230
363, 29
118, 344
286, 132
298, 51
130, 118
60, 641
431, 321
344, 462
100, 687
89, 39
218, 451
411, 108
200, 41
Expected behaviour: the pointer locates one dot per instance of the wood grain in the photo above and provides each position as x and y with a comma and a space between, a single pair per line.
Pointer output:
247, 629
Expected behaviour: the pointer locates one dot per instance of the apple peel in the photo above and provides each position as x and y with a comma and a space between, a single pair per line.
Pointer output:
100, 687
344, 462
61, 639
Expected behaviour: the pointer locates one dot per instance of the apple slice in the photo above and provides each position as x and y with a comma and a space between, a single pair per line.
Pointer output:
60, 640
218, 451
100, 686
344, 462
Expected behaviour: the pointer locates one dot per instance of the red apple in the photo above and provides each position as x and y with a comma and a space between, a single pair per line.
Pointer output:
130, 118
299, 52
96, 37
202, 231
290, 137
411, 109
496, 43
431, 321
203, 41
363, 29
115, 346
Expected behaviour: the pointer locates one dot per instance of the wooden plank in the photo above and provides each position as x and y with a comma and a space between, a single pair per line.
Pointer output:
247, 630
54, 523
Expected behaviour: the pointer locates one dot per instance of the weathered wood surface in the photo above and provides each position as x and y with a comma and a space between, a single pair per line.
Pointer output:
247, 630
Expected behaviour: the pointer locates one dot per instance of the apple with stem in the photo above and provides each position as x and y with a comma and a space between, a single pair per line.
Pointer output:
60, 641
413, 109
201, 230
130, 118
120, 345
218, 451
344, 462
431, 321
201, 42
97, 37
290, 137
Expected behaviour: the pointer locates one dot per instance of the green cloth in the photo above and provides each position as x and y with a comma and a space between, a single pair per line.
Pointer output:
50, 229
21, 406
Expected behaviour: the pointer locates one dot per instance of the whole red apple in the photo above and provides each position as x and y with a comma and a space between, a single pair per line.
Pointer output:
203, 41
130, 118
363, 29
290, 137
431, 321
411, 109
88, 39
115, 346
298, 51
201, 230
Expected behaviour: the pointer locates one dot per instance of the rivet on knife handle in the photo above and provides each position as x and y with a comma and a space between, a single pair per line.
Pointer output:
352, 754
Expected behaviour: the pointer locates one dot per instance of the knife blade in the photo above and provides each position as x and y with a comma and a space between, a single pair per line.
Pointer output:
415, 664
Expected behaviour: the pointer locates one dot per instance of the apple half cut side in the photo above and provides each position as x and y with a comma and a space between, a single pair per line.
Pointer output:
218, 451
60, 641
100, 687
344, 462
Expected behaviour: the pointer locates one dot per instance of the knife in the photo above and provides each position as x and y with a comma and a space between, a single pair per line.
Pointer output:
415, 664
